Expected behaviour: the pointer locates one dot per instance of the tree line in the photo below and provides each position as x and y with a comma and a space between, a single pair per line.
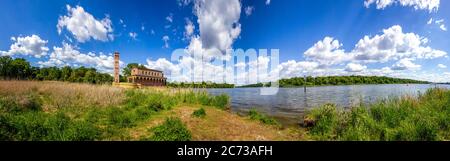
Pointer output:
21, 69
338, 80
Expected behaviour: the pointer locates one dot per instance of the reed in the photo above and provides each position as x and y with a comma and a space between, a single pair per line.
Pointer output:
422, 118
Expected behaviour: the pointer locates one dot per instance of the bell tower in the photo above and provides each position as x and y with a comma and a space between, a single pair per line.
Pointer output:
116, 67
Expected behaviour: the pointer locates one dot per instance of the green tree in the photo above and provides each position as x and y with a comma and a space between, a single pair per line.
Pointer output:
127, 70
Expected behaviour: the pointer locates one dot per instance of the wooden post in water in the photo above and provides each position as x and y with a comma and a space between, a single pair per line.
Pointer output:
304, 83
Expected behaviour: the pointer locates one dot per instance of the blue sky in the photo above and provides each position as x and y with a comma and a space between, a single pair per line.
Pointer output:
137, 30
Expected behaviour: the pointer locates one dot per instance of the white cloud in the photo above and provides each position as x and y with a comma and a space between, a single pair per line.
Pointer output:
393, 44
189, 28
267, 2
166, 39
430, 5
442, 66
443, 28
67, 55
405, 64
440, 23
29, 46
430, 21
184, 2
122, 23
293, 68
133, 35
327, 52
84, 26
352, 67
218, 27
249, 10
170, 18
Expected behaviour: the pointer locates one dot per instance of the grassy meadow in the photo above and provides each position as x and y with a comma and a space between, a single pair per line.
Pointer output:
36, 110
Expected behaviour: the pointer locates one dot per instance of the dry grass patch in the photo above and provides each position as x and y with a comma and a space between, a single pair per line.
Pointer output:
218, 125
56, 95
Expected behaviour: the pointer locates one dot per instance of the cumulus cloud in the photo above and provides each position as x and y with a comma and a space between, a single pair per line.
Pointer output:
405, 64
249, 10
29, 46
68, 55
442, 66
293, 68
352, 67
84, 26
393, 44
430, 5
267, 2
327, 52
166, 39
218, 27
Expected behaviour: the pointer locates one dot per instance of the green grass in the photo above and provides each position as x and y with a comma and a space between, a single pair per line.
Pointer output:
200, 113
171, 130
425, 118
255, 115
23, 117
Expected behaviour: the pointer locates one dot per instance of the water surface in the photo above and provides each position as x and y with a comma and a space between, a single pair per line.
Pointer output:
289, 104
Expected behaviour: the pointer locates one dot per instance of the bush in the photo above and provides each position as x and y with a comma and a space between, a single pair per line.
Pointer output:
199, 113
171, 130
255, 115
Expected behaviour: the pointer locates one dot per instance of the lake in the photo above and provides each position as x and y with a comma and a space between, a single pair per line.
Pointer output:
289, 104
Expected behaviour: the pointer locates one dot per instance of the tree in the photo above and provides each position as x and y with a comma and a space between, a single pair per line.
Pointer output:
65, 73
127, 70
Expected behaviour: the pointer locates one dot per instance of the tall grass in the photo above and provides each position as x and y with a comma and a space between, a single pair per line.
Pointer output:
422, 118
70, 111
255, 115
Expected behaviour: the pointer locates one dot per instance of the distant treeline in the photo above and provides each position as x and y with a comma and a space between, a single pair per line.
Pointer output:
339, 80
20, 69
200, 85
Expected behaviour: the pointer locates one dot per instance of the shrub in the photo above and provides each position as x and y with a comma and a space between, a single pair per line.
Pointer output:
199, 113
171, 130
255, 115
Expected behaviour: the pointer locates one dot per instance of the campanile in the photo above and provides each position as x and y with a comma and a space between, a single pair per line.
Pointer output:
116, 67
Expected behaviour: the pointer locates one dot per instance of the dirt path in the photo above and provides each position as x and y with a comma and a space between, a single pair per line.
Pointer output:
218, 125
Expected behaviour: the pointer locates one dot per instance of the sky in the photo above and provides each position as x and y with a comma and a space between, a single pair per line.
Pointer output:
396, 38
